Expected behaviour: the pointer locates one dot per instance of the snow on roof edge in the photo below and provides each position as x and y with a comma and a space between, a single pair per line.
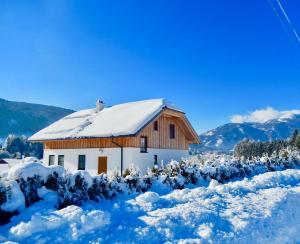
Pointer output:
160, 104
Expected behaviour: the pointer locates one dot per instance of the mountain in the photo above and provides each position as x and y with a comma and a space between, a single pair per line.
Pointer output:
26, 118
224, 138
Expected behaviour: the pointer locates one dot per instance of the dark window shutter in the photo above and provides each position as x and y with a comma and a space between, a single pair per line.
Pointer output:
172, 131
61, 159
51, 160
155, 159
81, 162
144, 144
155, 125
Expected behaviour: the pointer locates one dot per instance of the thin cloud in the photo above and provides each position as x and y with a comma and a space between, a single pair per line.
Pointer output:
264, 115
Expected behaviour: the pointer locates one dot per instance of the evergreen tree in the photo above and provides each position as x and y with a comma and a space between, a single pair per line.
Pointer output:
19, 145
294, 137
297, 142
15, 144
250, 149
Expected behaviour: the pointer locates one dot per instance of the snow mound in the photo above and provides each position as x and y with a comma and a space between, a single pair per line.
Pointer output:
30, 159
213, 183
146, 201
77, 222
47, 194
261, 209
151, 197
30, 169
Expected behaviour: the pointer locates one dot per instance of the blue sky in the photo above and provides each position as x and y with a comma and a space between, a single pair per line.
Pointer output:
212, 58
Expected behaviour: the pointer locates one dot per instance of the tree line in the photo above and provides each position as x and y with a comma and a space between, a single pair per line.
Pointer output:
250, 149
19, 146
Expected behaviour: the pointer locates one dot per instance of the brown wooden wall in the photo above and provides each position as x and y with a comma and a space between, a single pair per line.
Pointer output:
88, 143
160, 138
156, 139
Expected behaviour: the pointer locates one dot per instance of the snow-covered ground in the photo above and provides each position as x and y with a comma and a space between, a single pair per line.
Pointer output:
262, 209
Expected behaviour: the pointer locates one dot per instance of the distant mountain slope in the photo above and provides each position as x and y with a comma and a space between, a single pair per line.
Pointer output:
225, 137
26, 118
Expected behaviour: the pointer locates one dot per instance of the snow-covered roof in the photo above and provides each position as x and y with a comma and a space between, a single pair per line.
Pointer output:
119, 120
11, 161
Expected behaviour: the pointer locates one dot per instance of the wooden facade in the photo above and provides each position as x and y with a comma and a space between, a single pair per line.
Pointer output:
184, 135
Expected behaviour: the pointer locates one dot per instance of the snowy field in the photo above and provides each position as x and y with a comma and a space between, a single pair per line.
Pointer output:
262, 209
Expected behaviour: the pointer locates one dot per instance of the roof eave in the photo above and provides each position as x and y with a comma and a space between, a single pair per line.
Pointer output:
112, 136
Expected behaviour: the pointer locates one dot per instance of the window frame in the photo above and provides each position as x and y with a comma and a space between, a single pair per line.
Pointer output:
80, 162
172, 131
155, 159
63, 160
50, 162
144, 149
155, 125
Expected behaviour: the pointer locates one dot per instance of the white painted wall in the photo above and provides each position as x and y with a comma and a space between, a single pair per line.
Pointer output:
131, 156
91, 157
146, 160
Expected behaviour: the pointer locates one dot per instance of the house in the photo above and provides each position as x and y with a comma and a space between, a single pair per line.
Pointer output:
103, 139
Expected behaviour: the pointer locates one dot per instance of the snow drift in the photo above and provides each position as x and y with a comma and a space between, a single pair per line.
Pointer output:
263, 208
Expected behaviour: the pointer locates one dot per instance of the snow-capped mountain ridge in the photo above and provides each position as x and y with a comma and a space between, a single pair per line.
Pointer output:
225, 137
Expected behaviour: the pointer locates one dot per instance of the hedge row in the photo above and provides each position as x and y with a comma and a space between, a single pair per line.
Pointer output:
76, 188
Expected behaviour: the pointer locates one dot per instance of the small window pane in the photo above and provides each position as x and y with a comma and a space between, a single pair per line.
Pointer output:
61, 159
51, 159
172, 131
144, 144
155, 159
81, 162
156, 125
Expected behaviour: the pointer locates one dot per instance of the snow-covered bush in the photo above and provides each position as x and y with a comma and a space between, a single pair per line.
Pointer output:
100, 188
74, 188
32, 175
171, 174
3, 215
53, 181
2, 194
177, 174
136, 182
223, 168
30, 187
11, 200
21, 185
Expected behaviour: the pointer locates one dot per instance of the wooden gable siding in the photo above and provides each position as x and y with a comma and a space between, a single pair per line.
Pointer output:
156, 139
161, 138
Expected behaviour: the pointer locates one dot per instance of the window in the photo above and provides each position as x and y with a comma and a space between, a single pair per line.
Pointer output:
155, 125
61, 159
51, 159
81, 162
172, 131
144, 144
155, 159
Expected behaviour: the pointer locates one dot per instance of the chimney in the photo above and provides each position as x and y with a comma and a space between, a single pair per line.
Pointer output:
99, 105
